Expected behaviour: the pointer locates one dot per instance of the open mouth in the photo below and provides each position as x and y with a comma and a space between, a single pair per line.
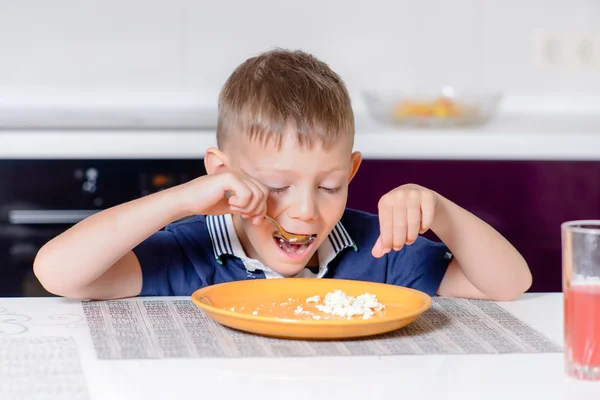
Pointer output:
292, 248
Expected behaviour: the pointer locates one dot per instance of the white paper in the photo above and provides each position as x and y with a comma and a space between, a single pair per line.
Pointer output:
138, 328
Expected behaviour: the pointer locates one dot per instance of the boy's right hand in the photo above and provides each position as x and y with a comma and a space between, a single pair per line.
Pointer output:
231, 191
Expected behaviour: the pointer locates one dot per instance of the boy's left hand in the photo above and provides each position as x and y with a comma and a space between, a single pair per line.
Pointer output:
404, 213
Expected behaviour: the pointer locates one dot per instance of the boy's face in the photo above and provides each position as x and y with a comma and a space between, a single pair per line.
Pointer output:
308, 189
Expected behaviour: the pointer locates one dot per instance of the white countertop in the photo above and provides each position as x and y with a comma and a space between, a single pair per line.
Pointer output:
464, 377
511, 136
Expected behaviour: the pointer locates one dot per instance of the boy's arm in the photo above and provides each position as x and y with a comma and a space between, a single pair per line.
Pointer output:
94, 259
485, 264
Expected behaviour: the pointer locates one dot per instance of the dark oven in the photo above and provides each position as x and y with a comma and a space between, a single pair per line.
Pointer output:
39, 199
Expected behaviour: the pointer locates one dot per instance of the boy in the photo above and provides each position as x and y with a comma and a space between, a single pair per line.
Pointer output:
285, 137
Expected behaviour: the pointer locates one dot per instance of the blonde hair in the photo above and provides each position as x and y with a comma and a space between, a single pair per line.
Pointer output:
280, 90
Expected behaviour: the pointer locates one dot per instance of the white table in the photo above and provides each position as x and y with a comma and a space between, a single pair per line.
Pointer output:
489, 377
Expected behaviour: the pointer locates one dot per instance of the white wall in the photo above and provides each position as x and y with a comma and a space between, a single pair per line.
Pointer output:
152, 50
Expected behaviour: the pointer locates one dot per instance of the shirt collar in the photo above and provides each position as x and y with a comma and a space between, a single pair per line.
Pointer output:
225, 241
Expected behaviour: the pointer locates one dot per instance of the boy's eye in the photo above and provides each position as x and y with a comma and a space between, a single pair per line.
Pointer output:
281, 190
278, 190
332, 190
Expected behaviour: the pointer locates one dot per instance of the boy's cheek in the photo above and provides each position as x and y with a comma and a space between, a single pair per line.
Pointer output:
332, 211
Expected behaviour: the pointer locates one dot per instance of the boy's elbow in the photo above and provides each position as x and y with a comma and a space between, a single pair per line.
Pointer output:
56, 288
40, 269
521, 285
44, 272
525, 281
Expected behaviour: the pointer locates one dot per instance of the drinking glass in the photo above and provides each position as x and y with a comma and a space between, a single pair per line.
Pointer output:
581, 292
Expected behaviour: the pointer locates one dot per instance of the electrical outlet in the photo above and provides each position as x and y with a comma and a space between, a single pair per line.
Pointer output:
548, 51
586, 50
567, 51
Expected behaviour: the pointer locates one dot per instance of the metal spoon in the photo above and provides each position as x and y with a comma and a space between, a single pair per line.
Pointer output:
289, 237
282, 233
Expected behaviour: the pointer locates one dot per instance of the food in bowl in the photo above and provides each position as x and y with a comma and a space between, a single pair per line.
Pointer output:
439, 108
446, 108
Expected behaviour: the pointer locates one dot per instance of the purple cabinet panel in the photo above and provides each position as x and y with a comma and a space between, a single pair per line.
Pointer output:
526, 201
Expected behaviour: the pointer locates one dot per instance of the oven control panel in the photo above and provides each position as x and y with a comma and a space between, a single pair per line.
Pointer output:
44, 185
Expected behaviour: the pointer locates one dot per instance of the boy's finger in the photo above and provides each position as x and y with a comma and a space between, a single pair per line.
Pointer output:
258, 205
400, 227
240, 211
261, 210
386, 224
263, 188
239, 202
377, 251
413, 217
427, 214
241, 195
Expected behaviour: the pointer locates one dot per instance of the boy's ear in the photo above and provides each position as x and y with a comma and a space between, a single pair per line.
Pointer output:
355, 160
215, 160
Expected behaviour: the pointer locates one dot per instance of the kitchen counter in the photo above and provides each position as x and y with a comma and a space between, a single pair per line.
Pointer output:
489, 376
511, 136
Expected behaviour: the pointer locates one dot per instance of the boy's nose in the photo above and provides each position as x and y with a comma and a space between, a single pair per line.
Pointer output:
304, 208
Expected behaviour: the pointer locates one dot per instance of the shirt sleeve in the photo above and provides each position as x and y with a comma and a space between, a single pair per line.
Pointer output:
165, 266
421, 265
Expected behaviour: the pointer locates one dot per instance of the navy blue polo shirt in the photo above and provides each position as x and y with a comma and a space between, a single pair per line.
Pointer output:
205, 250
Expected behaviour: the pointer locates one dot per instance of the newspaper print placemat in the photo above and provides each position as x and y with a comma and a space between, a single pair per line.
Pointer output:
46, 368
138, 328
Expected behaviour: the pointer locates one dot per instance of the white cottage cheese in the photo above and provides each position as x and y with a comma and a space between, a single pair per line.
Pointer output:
340, 304
313, 299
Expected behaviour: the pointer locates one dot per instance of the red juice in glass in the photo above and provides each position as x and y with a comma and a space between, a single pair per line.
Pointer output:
582, 325
581, 291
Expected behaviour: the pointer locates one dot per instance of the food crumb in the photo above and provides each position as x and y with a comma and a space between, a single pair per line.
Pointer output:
314, 299
254, 312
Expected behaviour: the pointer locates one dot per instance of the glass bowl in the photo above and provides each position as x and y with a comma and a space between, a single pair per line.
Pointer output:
446, 108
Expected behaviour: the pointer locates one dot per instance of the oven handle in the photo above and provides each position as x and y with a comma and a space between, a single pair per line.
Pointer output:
26, 217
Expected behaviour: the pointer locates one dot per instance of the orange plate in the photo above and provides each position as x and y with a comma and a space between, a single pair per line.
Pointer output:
273, 302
